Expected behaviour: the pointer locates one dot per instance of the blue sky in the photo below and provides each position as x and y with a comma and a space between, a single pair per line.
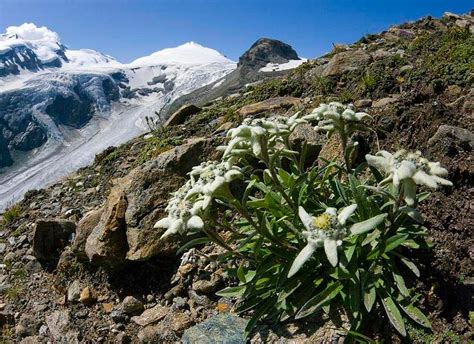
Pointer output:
128, 29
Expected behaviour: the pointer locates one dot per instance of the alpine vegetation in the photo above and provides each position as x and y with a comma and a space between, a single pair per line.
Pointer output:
329, 238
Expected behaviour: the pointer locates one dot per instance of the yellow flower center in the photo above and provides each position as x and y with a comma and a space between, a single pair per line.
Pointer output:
322, 221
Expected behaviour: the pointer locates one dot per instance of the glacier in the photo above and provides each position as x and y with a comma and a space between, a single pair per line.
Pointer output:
60, 107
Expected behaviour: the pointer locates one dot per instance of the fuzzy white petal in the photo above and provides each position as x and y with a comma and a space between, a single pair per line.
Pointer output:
305, 218
330, 247
301, 258
346, 213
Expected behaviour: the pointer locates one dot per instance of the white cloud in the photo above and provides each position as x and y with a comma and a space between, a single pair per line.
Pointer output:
31, 32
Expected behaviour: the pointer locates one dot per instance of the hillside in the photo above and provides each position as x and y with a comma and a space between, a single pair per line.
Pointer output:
83, 263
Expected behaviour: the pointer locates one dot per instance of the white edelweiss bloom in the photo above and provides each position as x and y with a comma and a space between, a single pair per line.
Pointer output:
245, 137
335, 116
182, 213
408, 169
327, 229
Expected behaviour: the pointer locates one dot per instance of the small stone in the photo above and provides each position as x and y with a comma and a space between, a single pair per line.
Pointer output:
201, 300
10, 256
150, 298
74, 291
222, 328
43, 331
132, 305
3, 247
107, 307
363, 103
151, 315
87, 296
179, 302
208, 285
385, 101
119, 316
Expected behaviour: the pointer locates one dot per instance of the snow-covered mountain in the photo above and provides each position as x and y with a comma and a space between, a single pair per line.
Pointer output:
59, 107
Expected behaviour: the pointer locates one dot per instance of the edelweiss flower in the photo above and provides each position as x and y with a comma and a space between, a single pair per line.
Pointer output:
408, 169
327, 229
207, 181
251, 135
336, 116
182, 213
210, 177
245, 137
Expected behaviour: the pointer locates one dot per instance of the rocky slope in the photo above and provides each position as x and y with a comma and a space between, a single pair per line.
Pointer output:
82, 263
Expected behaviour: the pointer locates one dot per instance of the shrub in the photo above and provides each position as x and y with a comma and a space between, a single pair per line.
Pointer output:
327, 238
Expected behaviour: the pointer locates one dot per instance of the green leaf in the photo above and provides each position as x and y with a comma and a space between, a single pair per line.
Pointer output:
341, 274
410, 265
395, 241
416, 314
237, 291
359, 337
316, 302
394, 315
367, 225
371, 237
193, 243
413, 213
241, 274
400, 282
369, 298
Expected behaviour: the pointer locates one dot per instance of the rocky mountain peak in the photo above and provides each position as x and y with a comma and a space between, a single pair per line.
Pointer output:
267, 50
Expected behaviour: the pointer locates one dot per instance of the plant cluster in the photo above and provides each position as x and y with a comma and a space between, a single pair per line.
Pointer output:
326, 238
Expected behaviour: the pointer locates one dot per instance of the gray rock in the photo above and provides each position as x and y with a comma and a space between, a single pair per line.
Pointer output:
223, 328
59, 326
74, 291
346, 61
182, 114
463, 137
363, 103
131, 305
50, 236
385, 101
119, 316
151, 315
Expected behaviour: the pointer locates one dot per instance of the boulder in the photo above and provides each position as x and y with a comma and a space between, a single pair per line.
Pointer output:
51, 236
148, 190
182, 114
107, 244
83, 230
222, 328
346, 61
270, 105
125, 226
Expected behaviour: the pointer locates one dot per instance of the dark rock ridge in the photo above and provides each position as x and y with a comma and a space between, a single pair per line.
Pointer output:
23, 57
262, 52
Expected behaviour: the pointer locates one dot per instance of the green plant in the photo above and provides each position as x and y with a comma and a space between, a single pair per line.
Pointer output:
369, 82
12, 213
327, 238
